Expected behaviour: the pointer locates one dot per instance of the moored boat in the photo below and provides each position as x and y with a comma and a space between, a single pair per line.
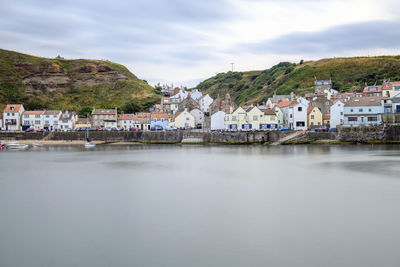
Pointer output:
14, 145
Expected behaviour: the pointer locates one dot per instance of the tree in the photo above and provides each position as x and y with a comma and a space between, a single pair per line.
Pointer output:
131, 107
85, 111
301, 62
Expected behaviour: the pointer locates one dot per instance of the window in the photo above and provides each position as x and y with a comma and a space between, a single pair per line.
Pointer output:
372, 119
47, 116
47, 122
312, 117
37, 116
397, 88
187, 118
351, 110
353, 119
26, 122
360, 110
26, 116
291, 116
299, 109
300, 124
37, 122
341, 113
369, 110
233, 118
255, 118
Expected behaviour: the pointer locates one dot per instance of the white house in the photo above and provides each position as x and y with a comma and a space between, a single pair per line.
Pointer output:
50, 118
298, 116
302, 100
198, 117
66, 121
218, 121
205, 102
196, 94
337, 113
279, 115
12, 117
32, 119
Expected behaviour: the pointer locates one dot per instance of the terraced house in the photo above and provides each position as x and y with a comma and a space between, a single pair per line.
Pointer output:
363, 111
33, 119
104, 118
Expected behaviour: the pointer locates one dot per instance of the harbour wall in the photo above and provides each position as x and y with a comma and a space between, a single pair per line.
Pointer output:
352, 134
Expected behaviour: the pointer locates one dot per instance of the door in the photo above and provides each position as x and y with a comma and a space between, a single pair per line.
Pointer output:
398, 109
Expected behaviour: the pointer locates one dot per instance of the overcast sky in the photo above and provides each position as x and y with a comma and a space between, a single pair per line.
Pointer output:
185, 41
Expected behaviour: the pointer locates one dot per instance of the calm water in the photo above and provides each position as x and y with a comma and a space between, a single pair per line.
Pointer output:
195, 206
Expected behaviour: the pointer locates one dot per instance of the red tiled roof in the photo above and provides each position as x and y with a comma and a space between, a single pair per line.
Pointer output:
125, 117
104, 111
268, 112
326, 117
12, 108
159, 115
283, 104
309, 110
34, 112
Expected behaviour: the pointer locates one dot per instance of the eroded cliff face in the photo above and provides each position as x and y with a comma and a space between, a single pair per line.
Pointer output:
52, 76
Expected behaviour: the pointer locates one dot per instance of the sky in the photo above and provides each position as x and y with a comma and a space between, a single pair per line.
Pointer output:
184, 42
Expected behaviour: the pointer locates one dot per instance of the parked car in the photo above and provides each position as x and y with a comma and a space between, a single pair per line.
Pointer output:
29, 130
283, 129
333, 130
170, 128
134, 129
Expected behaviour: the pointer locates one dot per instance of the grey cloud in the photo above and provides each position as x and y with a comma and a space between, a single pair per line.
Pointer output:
344, 38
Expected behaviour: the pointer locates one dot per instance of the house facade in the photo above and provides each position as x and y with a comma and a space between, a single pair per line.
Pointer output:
198, 117
236, 120
159, 120
12, 117
298, 116
218, 121
337, 113
205, 102
183, 120
33, 119
50, 119
363, 111
66, 121
104, 118
143, 121
126, 122
314, 117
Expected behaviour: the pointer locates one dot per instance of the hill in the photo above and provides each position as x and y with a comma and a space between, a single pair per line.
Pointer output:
347, 74
44, 83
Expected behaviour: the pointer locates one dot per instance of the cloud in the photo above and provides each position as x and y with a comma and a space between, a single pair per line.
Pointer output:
344, 38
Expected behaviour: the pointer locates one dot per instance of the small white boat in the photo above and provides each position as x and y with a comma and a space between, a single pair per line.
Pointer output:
37, 144
14, 145
90, 144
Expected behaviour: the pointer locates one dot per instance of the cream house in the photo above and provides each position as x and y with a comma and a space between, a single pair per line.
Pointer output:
314, 117
183, 120
237, 120
269, 120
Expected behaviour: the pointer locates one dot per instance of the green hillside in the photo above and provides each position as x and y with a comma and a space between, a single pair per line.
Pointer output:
347, 74
43, 83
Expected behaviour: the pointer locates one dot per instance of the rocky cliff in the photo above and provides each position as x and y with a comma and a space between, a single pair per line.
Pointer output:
69, 84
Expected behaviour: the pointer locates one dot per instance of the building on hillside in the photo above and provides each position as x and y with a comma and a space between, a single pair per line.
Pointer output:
104, 118
183, 120
391, 89
298, 116
337, 113
66, 121
373, 91
314, 117
50, 118
205, 101
188, 103
82, 123
218, 121
272, 102
126, 121
159, 121
226, 105
321, 85
196, 94
323, 103
12, 117
363, 111
33, 119
198, 117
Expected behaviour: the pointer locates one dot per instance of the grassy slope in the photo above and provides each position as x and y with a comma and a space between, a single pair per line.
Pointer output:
73, 98
347, 74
